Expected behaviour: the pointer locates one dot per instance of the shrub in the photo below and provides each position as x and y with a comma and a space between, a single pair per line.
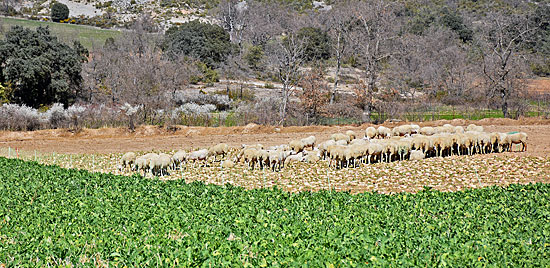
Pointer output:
317, 45
220, 102
16, 117
59, 12
56, 116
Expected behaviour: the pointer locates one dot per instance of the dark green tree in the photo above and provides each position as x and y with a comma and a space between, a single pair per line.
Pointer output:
455, 22
317, 45
59, 11
40, 68
207, 42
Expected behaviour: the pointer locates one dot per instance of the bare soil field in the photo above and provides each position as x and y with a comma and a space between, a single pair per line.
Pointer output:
150, 138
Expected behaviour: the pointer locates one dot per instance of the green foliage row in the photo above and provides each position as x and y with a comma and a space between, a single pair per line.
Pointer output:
51, 215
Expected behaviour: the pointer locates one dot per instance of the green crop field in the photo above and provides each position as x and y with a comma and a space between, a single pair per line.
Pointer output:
88, 36
65, 217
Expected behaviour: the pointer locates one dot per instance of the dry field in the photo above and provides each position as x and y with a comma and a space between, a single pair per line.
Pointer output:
99, 149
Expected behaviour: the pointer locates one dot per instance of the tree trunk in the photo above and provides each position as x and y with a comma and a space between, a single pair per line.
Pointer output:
505, 108
337, 74
284, 104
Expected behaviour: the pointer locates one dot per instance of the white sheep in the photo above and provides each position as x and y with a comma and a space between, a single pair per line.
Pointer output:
417, 155
227, 164
159, 164
299, 157
427, 131
415, 129
374, 150
178, 158
297, 146
340, 136
517, 138
384, 132
199, 155
309, 142
250, 156
219, 149
403, 130
323, 146
142, 162
503, 142
371, 133
473, 127
459, 129
127, 160
351, 134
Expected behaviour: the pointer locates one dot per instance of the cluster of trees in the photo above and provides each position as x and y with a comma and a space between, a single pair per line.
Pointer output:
397, 51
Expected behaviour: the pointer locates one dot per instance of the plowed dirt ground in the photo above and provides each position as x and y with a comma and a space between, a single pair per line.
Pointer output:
148, 138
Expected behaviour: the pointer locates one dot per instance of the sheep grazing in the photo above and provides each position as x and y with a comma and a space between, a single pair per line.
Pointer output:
312, 158
309, 142
370, 133
374, 150
127, 160
250, 156
142, 162
340, 137
404, 148
336, 154
297, 146
473, 127
219, 149
178, 158
384, 132
159, 165
323, 146
517, 138
417, 155
503, 142
227, 164
199, 155
415, 129
403, 130
351, 134
299, 157
427, 131
277, 159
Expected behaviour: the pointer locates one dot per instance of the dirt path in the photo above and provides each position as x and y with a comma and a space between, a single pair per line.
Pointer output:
148, 138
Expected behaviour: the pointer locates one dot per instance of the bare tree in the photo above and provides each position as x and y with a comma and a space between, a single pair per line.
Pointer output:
374, 41
6, 4
233, 16
500, 40
266, 20
436, 62
134, 71
339, 22
314, 94
286, 55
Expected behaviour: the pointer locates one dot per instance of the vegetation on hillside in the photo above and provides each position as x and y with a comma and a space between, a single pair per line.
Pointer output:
372, 60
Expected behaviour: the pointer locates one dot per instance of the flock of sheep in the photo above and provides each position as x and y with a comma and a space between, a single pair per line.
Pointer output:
380, 144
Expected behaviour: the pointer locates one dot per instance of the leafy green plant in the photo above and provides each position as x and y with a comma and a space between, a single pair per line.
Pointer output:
51, 215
